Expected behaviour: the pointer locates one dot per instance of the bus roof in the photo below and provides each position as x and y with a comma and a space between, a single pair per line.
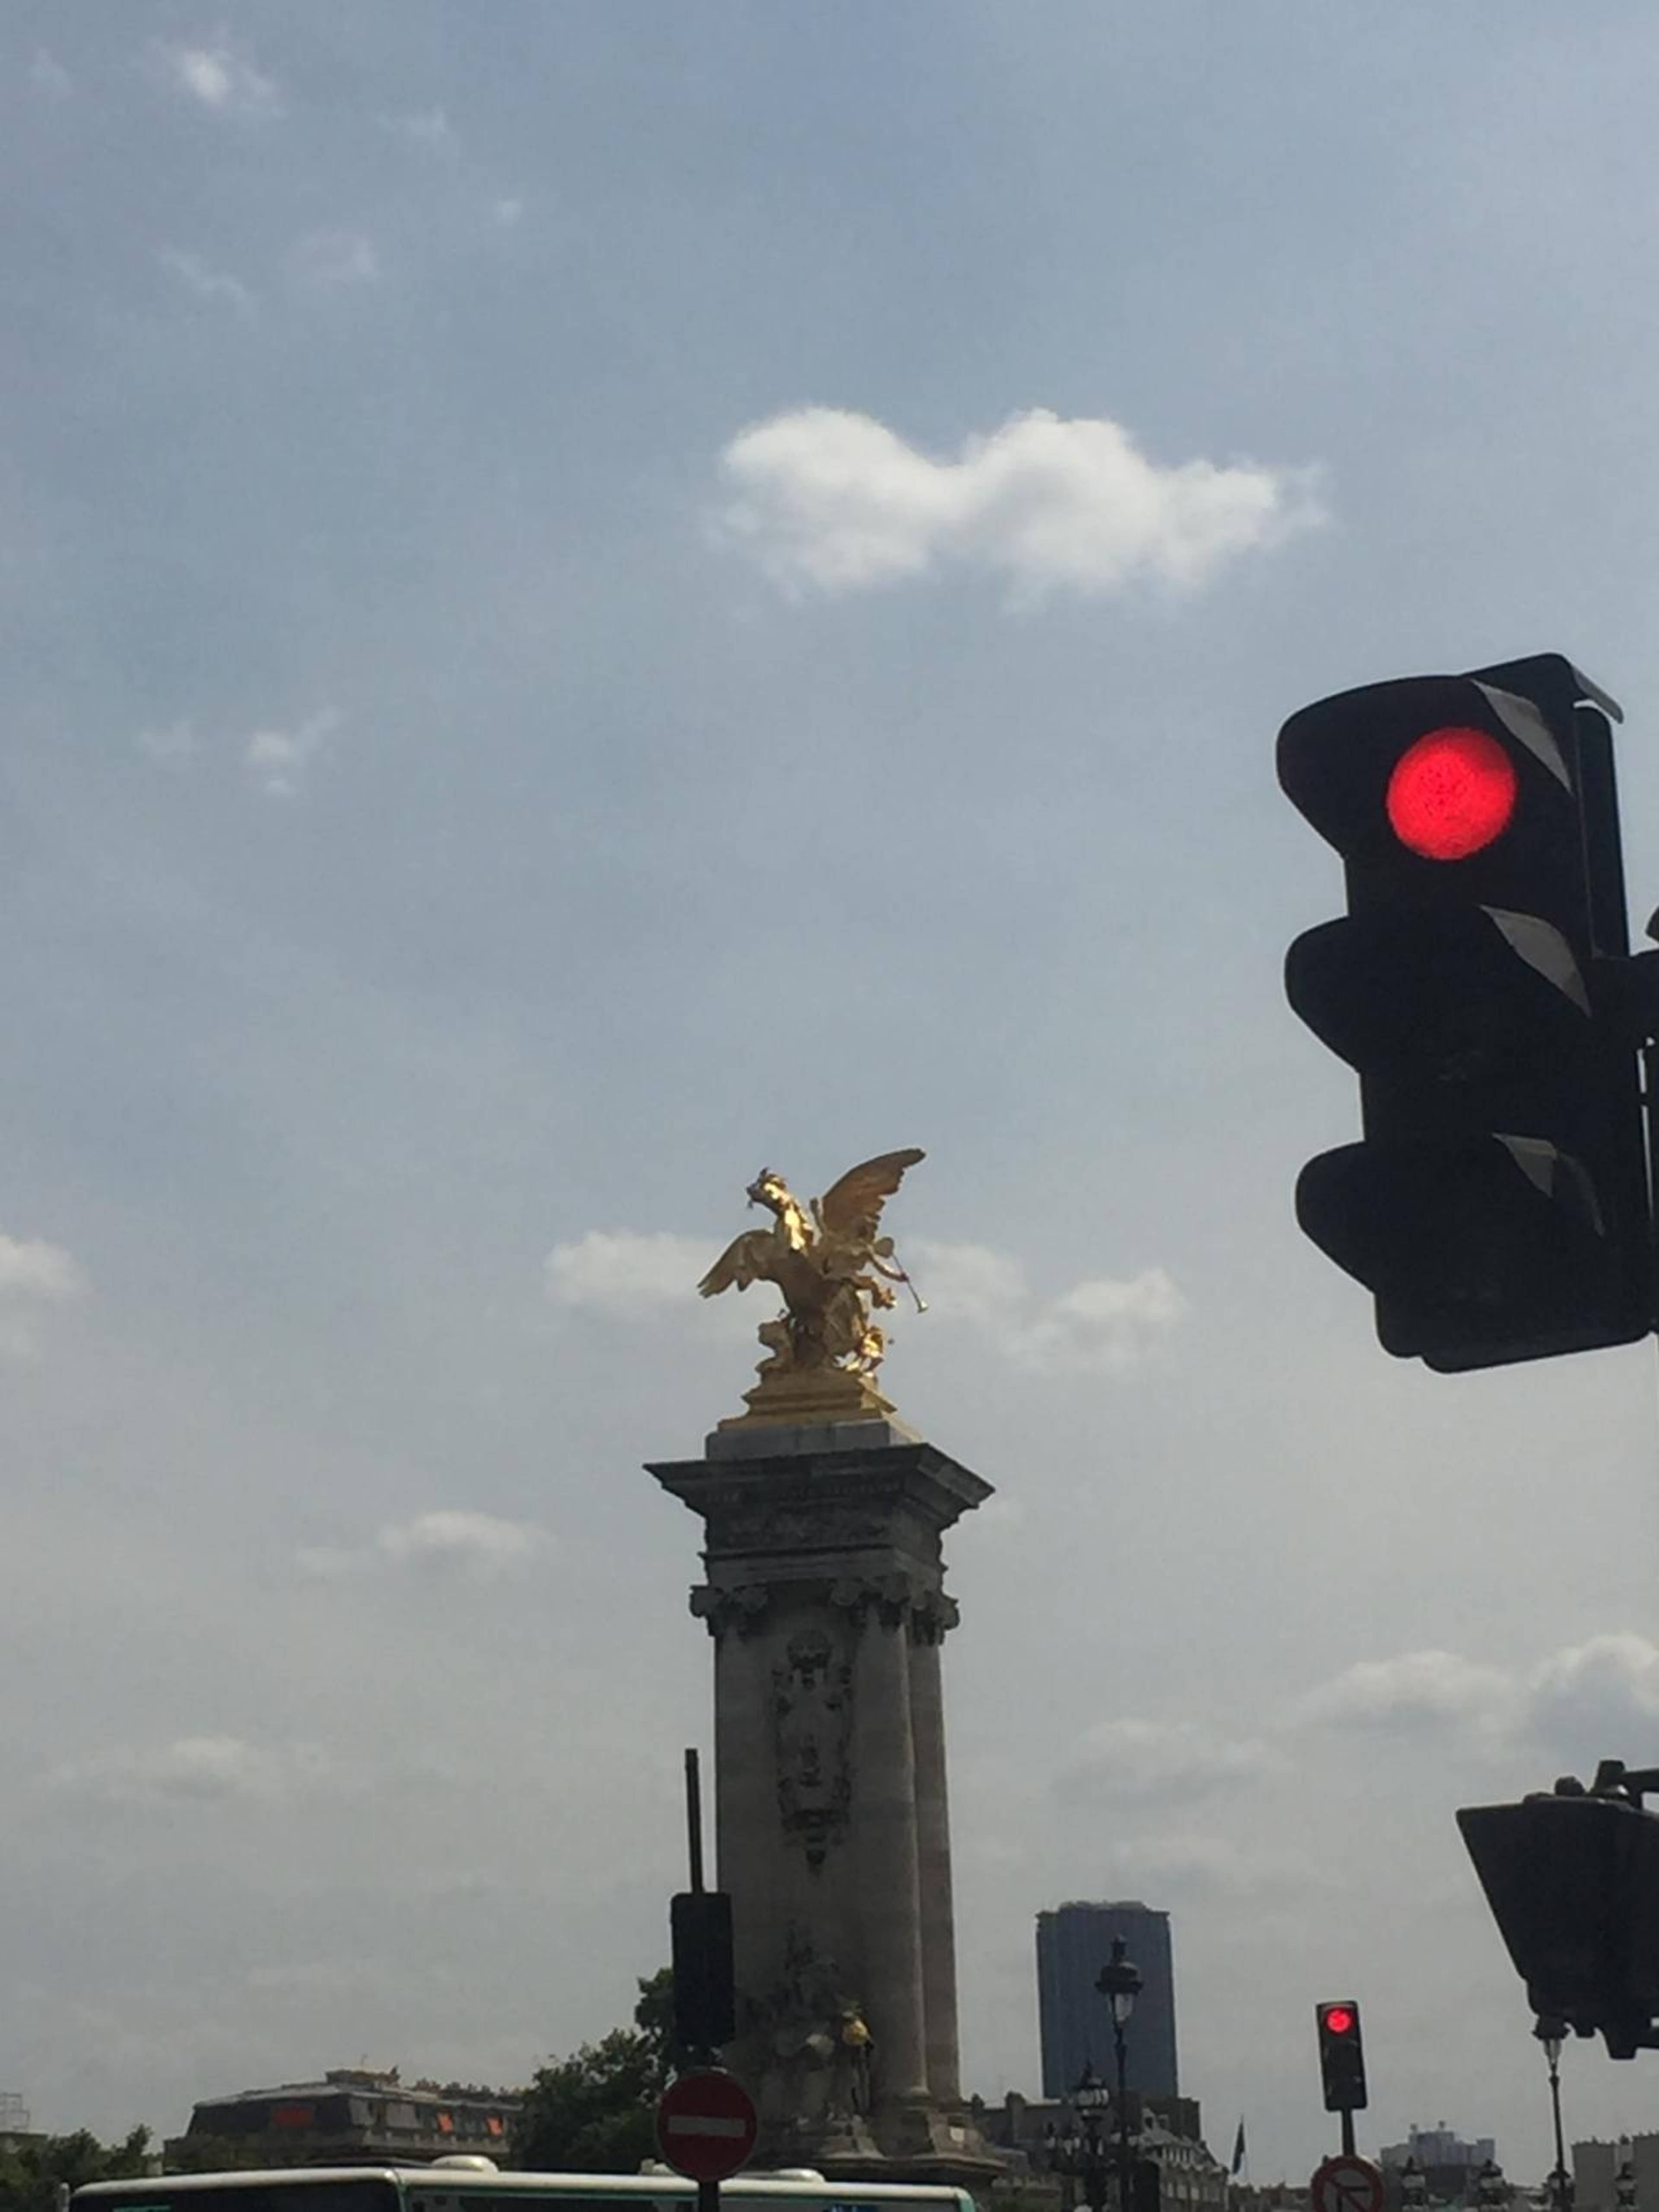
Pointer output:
445, 2179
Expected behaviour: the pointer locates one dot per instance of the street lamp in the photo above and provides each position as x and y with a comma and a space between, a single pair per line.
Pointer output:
1078, 2154
1552, 2034
1119, 1981
1492, 2190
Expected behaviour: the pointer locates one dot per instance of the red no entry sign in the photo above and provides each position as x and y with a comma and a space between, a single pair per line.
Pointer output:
1346, 2184
706, 2124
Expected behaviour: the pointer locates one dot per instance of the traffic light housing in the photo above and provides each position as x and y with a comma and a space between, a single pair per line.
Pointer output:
705, 1999
1481, 985
1572, 1880
1341, 2055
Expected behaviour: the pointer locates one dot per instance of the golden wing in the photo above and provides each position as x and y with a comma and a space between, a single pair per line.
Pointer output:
854, 1203
740, 1264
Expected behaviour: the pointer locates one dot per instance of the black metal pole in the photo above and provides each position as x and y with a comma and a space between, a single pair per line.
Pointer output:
1347, 2135
1560, 2191
694, 1840
1125, 2194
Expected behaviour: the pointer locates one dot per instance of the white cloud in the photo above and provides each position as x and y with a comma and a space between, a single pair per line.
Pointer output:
330, 259
48, 77
205, 282
32, 1273
1148, 1761
277, 759
1585, 1702
1100, 1324
194, 1770
628, 1275
834, 500
171, 747
1190, 1864
478, 1539
1597, 1700
1415, 1691
32, 1268
482, 1546
430, 129
219, 78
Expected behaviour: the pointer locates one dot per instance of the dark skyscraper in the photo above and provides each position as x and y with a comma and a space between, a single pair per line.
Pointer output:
1073, 1943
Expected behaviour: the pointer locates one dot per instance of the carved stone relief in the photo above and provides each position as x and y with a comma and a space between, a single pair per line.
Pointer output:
819, 2057
813, 1714
742, 1606
932, 1616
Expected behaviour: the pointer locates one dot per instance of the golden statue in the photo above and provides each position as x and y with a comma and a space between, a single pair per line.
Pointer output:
834, 1268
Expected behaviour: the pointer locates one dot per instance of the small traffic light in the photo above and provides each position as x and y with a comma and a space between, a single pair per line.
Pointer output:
1481, 984
1572, 1880
1341, 2055
705, 2001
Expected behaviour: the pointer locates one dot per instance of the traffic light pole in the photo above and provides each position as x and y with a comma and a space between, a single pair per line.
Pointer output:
1347, 2135
708, 2192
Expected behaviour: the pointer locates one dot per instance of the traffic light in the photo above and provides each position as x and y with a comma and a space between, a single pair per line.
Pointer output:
705, 2002
1341, 2055
1481, 984
1572, 1880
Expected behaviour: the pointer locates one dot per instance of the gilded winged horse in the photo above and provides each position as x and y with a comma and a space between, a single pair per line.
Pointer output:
830, 1261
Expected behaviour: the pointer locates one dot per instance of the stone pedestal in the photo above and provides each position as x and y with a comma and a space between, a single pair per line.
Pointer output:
826, 1603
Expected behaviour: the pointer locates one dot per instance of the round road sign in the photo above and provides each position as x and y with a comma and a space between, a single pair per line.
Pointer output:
1346, 2183
706, 2125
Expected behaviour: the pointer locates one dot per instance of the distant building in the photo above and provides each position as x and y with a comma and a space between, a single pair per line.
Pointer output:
1166, 2129
1438, 2146
16, 2129
1073, 1942
350, 2116
1596, 2167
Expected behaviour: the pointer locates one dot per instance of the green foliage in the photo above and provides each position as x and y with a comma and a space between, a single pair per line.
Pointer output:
32, 2167
592, 2114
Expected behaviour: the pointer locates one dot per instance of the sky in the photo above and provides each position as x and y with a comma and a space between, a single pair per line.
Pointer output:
596, 597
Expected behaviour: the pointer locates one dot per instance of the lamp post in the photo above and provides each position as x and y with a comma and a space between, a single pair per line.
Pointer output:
1075, 2151
1119, 1981
1552, 2034
1492, 2190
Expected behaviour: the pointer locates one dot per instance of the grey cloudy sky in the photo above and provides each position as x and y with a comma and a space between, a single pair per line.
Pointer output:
594, 596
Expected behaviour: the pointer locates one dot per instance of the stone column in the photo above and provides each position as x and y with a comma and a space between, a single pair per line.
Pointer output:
825, 1571
746, 1804
885, 1842
939, 1941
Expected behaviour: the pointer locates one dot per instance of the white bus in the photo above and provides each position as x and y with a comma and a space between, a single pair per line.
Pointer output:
475, 2185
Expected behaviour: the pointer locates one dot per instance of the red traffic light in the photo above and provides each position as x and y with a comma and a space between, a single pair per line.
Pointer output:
1338, 2020
1451, 793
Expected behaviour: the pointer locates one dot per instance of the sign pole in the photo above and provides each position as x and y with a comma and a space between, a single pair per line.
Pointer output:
708, 2192
1347, 2135
694, 1821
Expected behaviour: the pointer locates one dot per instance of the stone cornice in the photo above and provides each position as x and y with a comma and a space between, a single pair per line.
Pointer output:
914, 1480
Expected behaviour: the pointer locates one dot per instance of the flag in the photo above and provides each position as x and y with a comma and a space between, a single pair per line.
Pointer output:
1238, 2147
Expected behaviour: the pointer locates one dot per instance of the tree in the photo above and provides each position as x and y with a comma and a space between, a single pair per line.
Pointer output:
594, 2112
32, 2168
